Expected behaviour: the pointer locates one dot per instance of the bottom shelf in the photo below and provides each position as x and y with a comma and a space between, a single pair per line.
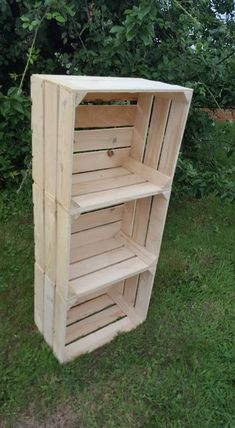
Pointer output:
95, 322
106, 263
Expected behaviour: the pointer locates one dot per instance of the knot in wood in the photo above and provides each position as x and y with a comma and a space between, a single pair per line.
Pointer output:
110, 153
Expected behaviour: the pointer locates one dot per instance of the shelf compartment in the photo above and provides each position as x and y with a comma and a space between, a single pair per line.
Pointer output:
103, 188
108, 262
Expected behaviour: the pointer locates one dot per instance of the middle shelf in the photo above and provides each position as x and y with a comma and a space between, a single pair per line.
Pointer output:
106, 262
106, 187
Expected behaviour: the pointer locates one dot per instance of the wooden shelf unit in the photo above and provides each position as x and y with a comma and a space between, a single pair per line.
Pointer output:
104, 156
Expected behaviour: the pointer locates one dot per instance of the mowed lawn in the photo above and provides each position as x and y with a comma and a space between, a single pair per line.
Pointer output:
175, 370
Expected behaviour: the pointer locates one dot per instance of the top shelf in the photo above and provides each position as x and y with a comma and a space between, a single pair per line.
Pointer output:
113, 84
104, 188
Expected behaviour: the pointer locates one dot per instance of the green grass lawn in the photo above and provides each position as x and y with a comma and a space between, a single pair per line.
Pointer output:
175, 370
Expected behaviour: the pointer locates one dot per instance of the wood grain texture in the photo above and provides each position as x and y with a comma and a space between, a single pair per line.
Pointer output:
92, 161
99, 116
98, 139
37, 125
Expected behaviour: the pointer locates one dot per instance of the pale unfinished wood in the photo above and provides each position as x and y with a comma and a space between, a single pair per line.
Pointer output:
106, 184
38, 214
99, 175
49, 305
107, 276
84, 251
37, 125
38, 296
110, 138
92, 161
97, 339
50, 237
50, 136
93, 323
104, 96
101, 205
95, 234
97, 218
100, 261
89, 307
98, 116
94, 201
65, 146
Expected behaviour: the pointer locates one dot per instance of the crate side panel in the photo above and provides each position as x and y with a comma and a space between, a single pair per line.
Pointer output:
65, 147
38, 297
37, 125
51, 133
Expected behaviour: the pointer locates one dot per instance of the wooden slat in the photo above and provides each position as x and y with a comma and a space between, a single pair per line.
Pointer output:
49, 304
106, 184
107, 276
97, 339
148, 173
88, 308
173, 137
92, 161
95, 234
156, 131
65, 146
38, 296
37, 125
144, 107
98, 139
63, 250
89, 250
98, 116
92, 323
111, 96
124, 306
39, 220
60, 318
99, 175
97, 200
101, 261
50, 237
141, 126
140, 251
50, 136
97, 218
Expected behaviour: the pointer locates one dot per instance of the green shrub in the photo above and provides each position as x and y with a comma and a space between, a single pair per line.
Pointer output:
15, 136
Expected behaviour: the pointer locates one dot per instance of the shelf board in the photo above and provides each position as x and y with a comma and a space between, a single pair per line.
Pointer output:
105, 268
98, 189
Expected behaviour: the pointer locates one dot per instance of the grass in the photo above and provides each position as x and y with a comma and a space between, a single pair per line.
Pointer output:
175, 370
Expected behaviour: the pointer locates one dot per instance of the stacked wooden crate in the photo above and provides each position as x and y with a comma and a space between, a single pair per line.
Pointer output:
104, 155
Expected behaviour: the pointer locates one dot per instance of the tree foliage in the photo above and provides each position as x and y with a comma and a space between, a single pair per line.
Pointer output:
176, 41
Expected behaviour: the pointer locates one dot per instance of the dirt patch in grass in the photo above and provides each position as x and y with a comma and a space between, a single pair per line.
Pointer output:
64, 416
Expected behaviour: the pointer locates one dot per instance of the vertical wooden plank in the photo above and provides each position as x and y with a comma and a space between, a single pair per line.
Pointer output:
143, 112
51, 129
156, 131
63, 250
140, 131
67, 101
153, 244
62, 280
38, 297
38, 213
173, 137
168, 158
37, 126
60, 318
49, 302
50, 237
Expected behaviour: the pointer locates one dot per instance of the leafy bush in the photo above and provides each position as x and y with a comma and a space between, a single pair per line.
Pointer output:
15, 136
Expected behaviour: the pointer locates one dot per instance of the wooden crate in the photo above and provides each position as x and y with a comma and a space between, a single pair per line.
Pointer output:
104, 156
